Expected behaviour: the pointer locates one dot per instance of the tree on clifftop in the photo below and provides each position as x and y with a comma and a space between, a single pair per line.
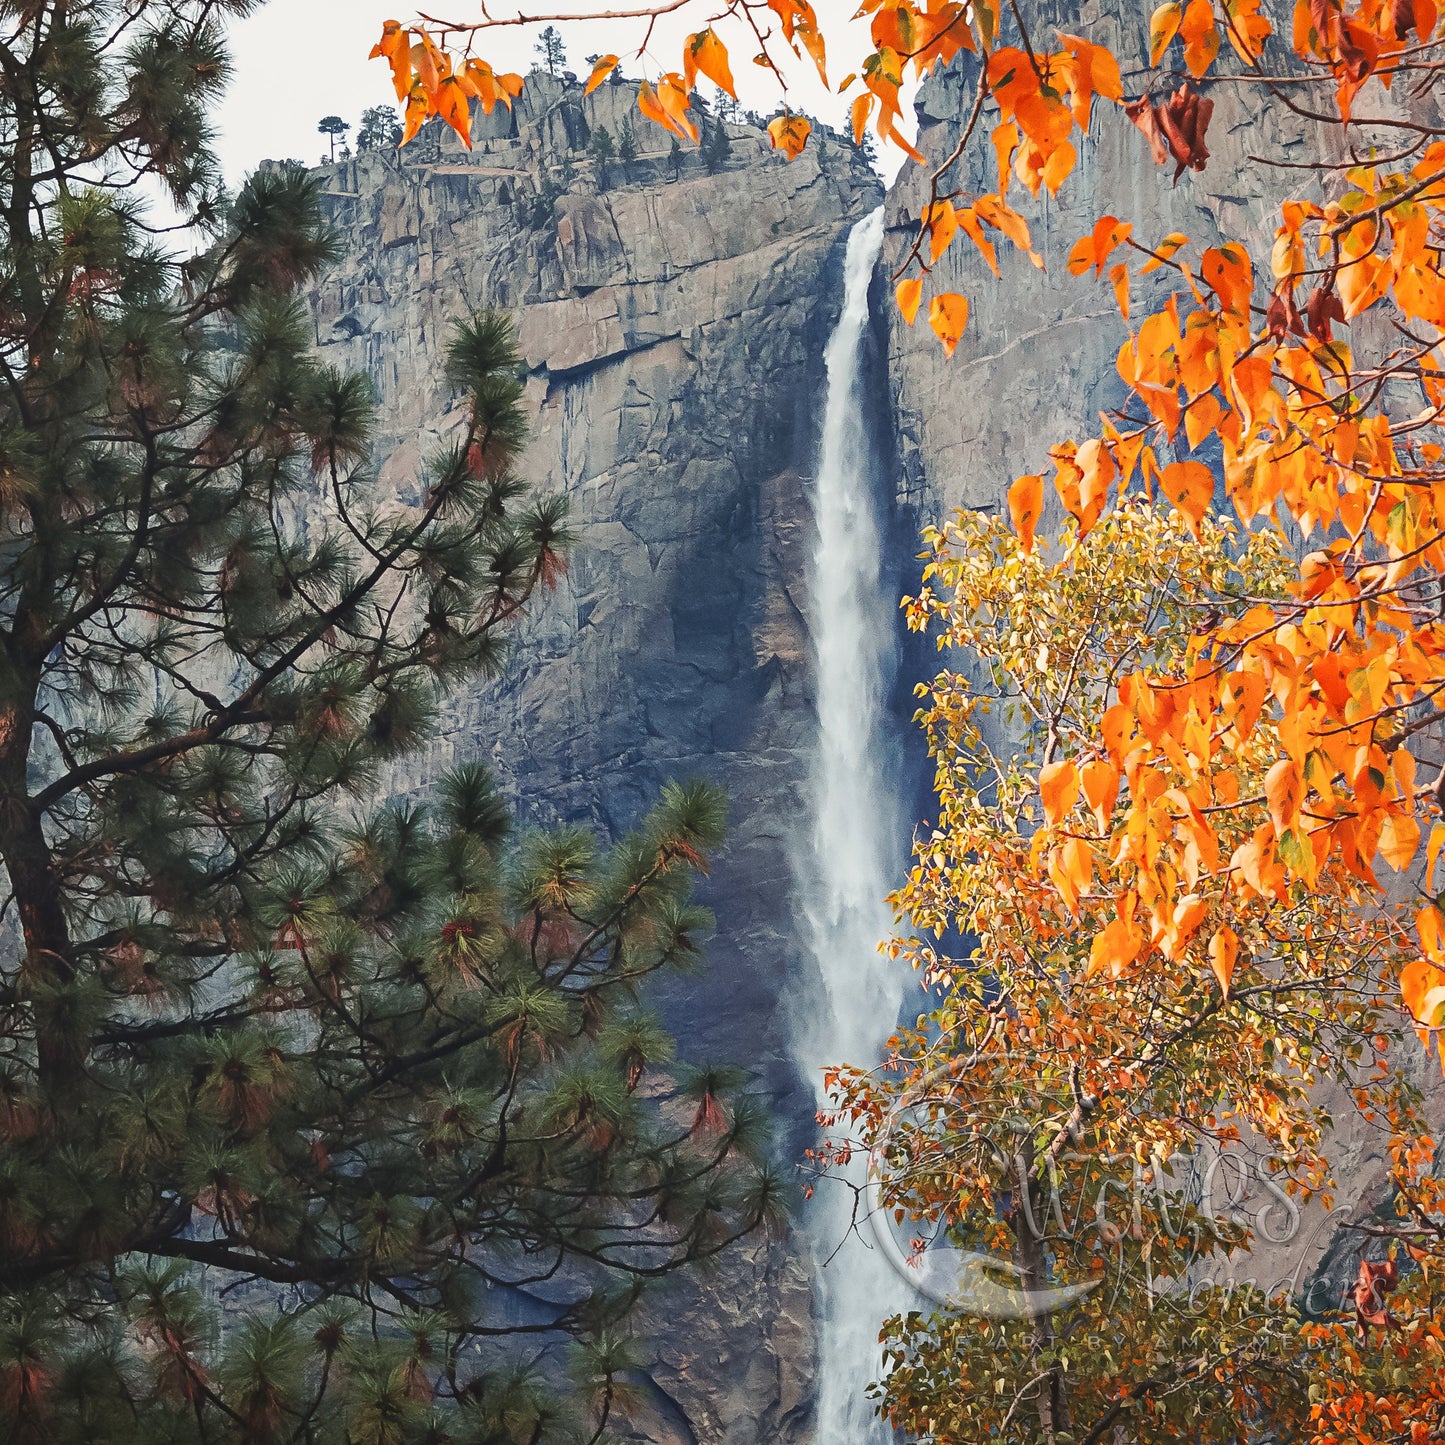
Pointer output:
332, 126
255, 1025
550, 50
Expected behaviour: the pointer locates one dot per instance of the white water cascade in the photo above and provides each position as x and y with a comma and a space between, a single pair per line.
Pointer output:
845, 868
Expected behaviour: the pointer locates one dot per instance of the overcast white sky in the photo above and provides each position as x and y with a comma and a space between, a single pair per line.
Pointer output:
297, 60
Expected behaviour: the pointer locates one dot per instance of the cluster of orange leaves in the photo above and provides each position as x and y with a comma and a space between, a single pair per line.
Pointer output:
1353, 665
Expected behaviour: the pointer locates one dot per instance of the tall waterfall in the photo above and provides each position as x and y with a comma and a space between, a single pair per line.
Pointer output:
845, 868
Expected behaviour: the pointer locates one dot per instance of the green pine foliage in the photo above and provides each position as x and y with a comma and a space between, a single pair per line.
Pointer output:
262, 1034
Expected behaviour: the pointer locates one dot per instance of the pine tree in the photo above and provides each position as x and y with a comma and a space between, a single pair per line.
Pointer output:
256, 1024
716, 146
550, 49
602, 150
332, 126
380, 128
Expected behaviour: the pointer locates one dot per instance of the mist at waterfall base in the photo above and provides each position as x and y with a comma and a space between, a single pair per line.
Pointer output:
846, 864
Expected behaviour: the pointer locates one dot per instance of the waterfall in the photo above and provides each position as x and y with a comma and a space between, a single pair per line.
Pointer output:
846, 864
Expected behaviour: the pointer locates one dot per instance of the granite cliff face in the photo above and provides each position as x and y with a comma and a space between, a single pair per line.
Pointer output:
673, 330
673, 325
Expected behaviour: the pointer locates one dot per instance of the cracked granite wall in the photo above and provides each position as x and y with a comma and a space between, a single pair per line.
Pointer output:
673, 328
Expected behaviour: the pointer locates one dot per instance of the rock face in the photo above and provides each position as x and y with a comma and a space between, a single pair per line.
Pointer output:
673, 324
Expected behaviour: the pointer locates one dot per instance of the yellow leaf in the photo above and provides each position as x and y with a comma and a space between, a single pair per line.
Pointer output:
1163, 27
1058, 788
1399, 840
706, 53
789, 134
602, 67
1025, 506
948, 315
1223, 953
910, 294
1163, 251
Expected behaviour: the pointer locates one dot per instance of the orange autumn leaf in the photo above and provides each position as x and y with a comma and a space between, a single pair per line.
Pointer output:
1422, 989
1284, 792
789, 134
1190, 486
909, 294
862, 108
704, 53
602, 67
674, 96
1058, 789
1119, 279
1228, 271
1025, 507
665, 104
395, 45
1071, 868
1200, 36
453, 106
1094, 250
1246, 29
1399, 840
1115, 947
948, 315
1223, 954
418, 108
1100, 781
942, 222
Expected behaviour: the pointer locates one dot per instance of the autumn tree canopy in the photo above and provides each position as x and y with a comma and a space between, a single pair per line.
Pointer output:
1219, 841
265, 1034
